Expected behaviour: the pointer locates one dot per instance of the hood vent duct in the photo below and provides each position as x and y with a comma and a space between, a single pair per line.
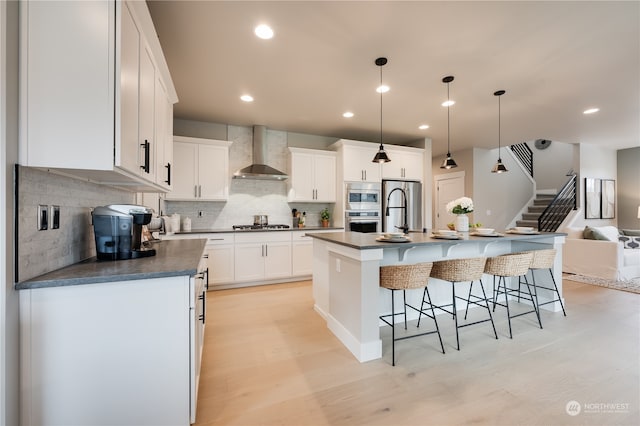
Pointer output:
258, 169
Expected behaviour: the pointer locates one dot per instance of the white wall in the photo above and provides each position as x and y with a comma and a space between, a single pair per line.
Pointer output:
550, 165
628, 186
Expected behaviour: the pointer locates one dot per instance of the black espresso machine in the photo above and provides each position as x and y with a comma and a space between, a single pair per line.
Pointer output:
118, 231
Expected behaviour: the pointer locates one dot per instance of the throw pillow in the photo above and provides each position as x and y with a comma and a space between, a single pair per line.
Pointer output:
594, 234
632, 232
630, 242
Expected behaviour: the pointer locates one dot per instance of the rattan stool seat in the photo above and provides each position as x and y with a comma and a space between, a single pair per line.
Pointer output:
407, 277
543, 259
458, 271
511, 265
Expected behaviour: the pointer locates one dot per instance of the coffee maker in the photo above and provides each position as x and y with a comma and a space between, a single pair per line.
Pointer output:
118, 231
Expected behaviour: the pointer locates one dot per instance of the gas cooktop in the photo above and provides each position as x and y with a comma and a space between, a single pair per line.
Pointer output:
253, 227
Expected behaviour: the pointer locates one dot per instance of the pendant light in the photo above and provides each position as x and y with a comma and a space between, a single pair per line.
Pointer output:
381, 155
499, 167
448, 162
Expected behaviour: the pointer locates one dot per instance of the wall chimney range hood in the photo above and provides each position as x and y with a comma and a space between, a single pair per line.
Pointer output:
258, 169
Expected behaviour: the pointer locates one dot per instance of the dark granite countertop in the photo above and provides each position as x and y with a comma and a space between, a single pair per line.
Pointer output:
361, 241
173, 258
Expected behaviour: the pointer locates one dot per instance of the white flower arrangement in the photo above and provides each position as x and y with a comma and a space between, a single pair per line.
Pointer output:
462, 205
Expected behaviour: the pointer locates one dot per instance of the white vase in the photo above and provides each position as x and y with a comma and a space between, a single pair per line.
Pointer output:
462, 223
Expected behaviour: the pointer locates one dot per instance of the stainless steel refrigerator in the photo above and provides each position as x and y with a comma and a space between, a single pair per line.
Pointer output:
401, 206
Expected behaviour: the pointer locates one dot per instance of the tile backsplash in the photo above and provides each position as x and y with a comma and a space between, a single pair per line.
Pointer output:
44, 251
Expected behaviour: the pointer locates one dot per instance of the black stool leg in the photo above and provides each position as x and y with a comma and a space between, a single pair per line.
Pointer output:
424, 294
534, 297
495, 292
557, 292
404, 299
434, 316
506, 302
455, 313
468, 299
393, 331
486, 301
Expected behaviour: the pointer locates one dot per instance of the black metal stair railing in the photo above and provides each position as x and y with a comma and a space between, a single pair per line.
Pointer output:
525, 155
565, 201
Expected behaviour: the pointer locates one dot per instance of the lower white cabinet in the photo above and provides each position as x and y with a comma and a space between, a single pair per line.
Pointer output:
220, 259
302, 254
262, 256
118, 353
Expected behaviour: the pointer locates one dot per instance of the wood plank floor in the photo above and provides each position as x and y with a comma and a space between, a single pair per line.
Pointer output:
269, 359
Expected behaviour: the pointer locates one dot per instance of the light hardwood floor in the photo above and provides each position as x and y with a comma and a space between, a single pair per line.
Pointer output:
269, 359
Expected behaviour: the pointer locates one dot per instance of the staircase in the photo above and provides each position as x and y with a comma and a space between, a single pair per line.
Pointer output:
540, 203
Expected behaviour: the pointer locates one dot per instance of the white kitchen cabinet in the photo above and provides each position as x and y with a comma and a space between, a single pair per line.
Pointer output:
67, 117
406, 163
164, 136
262, 255
313, 175
201, 169
301, 254
123, 352
355, 161
220, 258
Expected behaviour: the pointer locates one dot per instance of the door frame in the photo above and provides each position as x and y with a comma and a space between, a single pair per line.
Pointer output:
436, 180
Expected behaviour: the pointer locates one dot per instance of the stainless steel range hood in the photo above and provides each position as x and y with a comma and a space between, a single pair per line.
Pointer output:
259, 170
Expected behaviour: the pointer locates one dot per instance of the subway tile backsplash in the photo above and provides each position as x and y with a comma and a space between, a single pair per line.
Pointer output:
44, 251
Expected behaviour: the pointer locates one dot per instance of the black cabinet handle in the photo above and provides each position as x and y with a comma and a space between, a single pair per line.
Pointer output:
168, 167
203, 297
206, 275
147, 153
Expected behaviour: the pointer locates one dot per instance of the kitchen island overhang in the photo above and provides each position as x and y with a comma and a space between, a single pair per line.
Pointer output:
346, 286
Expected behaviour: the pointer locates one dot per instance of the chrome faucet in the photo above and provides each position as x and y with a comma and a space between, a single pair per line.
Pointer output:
405, 227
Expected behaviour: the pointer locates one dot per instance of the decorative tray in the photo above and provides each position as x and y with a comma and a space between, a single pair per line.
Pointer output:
477, 234
393, 239
446, 237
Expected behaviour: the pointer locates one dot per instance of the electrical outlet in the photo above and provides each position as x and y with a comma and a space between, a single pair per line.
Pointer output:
55, 217
43, 217
200, 213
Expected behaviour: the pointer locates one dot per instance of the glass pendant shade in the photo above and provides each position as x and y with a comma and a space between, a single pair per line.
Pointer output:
448, 162
381, 156
499, 167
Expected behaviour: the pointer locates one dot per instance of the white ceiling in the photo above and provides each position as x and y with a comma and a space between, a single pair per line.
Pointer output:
554, 59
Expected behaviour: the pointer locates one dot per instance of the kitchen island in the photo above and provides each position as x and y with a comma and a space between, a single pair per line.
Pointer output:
346, 277
115, 342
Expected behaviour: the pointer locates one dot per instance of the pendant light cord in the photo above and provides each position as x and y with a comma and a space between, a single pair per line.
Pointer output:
499, 115
381, 146
448, 123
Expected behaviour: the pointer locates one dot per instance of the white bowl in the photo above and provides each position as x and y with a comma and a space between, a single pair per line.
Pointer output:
523, 228
445, 232
485, 231
388, 235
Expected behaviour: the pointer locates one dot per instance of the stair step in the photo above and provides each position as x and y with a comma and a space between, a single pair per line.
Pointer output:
536, 209
531, 216
542, 201
532, 223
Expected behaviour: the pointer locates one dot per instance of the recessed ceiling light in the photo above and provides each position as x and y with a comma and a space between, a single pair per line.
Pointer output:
423, 126
347, 114
591, 110
263, 31
382, 89
448, 103
246, 98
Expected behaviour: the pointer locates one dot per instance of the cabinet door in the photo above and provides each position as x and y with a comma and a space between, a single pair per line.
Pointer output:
128, 148
302, 258
220, 264
146, 114
324, 177
163, 139
249, 261
184, 175
302, 182
212, 172
403, 165
277, 260
358, 165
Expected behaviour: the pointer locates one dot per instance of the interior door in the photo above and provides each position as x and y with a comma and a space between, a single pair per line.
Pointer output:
448, 188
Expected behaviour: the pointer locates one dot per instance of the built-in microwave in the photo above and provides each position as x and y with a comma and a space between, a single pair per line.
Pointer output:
363, 196
363, 221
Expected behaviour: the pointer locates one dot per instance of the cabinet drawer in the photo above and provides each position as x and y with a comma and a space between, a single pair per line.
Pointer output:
217, 239
263, 237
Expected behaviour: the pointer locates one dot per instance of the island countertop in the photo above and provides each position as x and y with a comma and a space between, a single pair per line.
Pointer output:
173, 258
367, 241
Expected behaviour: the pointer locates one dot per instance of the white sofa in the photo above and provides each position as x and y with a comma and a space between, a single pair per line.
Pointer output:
599, 258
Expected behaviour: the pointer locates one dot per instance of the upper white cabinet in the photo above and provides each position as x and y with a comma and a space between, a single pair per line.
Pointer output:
89, 91
201, 170
313, 175
406, 163
355, 161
